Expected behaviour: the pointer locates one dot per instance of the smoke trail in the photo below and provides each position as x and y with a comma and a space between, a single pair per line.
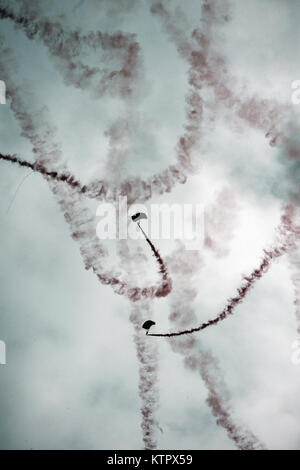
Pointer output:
133, 188
273, 118
40, 168
132, 258
209, 68
218, 226
78, 216
121, 288
200, 49
203, 66
262, 114
197, 56
82, 224
167, 283
183, 267
148, 375
100, 190
211, 374
294, 259
67, 47
287, 232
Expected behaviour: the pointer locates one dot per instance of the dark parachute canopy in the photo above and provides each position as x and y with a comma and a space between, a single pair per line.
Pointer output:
138, 216
147, 325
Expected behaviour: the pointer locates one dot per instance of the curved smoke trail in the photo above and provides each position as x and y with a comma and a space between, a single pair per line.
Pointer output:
79, 217
67, 48
210, 68
81, 223
183, 267
61, 44
287, 231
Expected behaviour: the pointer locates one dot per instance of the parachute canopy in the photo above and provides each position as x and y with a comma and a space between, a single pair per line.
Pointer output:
147, 325
138, 216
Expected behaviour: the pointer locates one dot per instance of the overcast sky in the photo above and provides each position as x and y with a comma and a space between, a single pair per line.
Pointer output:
71, 378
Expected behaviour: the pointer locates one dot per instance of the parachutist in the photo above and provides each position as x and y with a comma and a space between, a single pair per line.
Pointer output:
147, 325
138, 216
